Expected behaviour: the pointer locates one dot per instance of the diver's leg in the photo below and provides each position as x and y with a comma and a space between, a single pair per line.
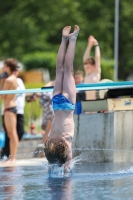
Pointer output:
5, 151
69, 89
58, 85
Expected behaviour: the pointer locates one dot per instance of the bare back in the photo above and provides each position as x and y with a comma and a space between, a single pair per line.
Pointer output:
10, 84
62, 125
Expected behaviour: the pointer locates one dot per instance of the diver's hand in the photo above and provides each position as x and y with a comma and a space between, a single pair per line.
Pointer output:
67, 167
67, 170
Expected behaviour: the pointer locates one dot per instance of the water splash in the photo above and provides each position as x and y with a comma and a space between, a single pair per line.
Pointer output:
55, 171
58, 171
104, 175
76, 160
100, 149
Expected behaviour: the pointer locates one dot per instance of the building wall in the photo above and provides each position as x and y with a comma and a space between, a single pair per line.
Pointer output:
32, 76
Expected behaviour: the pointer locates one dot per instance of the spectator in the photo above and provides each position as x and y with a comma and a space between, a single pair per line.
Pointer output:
48, 114
92, 66
10, 83
47, 118
20, 104
79, 78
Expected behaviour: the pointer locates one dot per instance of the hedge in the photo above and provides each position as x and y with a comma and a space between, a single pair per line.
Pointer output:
45, 60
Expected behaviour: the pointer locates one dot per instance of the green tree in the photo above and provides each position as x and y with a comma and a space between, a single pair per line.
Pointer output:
35, 26
125, 39
41, 60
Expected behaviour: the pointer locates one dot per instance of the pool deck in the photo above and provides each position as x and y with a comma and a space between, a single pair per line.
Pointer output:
24, 162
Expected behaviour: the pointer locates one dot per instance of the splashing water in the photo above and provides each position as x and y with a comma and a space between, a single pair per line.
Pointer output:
56, 171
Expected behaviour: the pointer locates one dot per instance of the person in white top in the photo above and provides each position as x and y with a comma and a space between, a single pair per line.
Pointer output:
92, 66
20, 104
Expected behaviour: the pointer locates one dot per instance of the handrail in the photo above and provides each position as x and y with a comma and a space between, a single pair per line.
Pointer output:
80, 87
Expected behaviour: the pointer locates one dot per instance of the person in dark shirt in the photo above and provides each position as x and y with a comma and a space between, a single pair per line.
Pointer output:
79, 78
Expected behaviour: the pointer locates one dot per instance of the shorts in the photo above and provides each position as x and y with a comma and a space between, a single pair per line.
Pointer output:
60, 102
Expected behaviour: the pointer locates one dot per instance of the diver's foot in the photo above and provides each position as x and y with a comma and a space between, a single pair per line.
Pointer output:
66, 31
74, 35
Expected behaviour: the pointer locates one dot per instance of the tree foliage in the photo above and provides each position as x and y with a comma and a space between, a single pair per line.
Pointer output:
28, 27
45, 60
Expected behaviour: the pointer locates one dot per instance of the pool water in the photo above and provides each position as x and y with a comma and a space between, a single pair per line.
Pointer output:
88, 181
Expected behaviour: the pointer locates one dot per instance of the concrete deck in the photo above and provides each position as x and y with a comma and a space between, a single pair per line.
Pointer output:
26, 162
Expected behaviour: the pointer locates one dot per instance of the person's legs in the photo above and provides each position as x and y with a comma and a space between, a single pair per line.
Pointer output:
10, 123
58, 86
69, 89
5, 151
20, 126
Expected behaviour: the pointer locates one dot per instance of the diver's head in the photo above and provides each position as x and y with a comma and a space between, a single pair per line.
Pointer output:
56, 151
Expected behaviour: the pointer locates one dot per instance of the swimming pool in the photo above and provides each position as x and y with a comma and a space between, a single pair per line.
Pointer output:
88, 181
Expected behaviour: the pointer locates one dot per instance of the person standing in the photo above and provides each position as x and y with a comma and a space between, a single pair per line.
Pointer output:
79, 78
10, 83
48, 113
20, 104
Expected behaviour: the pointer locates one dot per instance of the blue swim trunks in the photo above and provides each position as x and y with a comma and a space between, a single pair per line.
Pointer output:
60, 102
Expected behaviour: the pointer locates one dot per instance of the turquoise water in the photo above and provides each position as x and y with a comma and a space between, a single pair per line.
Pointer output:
102, 181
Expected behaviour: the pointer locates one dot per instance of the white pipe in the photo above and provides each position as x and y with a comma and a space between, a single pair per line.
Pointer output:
116, 40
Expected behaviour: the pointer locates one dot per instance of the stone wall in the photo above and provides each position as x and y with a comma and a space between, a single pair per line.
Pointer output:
99, 137
104, 137
28, 148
